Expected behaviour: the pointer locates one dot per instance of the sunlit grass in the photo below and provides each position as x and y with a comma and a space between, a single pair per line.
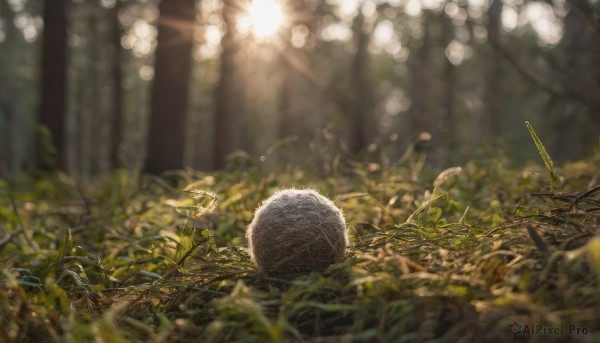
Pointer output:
459, 254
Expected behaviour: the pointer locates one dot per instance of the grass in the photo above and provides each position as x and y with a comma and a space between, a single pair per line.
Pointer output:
454, 255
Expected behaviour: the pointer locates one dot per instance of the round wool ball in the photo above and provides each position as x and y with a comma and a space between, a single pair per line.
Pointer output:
296, 231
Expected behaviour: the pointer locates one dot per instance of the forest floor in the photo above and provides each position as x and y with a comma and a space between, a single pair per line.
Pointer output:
484, 252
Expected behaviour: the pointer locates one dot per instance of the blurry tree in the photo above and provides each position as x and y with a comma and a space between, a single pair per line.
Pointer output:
421, 67
492, 98
90, 97
166, 138
54, 77
290, 121
361, 101
8, 116
577, 109
359, 70
228, 95
95, 113
447, 112
117, 120
293, 69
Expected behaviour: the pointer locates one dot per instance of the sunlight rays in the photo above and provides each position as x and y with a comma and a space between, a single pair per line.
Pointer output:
264, 19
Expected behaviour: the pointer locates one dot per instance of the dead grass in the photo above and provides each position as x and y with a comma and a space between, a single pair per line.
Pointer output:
454, 256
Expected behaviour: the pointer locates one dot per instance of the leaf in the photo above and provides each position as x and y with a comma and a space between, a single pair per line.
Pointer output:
594, 249
446, 175
232, 199
204, 202
150, 275
425, 204
28, 283
67, 244
74, 276
434, 213
542, 150
163, 238
327, 307
47, 266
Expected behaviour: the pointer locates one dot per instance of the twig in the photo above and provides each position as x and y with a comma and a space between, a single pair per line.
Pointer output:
181, 260
586, 194
562, 197
536, 238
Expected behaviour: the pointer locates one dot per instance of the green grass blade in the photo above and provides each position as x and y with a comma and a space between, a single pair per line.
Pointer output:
542, 150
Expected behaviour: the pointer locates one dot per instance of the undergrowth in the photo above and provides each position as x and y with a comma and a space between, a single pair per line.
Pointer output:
464, 254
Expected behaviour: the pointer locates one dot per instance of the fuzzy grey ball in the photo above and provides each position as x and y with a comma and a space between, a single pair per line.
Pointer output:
296, 231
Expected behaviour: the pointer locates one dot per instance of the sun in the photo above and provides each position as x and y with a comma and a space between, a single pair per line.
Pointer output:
264, 19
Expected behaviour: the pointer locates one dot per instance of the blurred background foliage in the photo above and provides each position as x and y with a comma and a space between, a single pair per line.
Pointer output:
451, 78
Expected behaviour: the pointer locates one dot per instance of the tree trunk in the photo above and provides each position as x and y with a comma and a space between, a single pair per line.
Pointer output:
54, 78
360, 79
116, 120
80, 136
447, 115
570, 117
8, 113
95, 110
290, 120
166, 138
420, 67
227, 100
493, 98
